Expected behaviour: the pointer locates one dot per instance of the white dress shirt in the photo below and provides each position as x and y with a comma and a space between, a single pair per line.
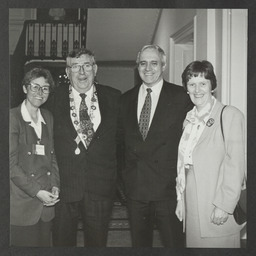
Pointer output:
156, 89
27, 118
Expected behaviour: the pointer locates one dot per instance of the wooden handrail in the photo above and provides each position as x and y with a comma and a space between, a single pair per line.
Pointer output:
52, 22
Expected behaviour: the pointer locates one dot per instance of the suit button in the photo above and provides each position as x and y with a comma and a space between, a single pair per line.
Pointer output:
48, 173
51, 151
29, 153
32, 174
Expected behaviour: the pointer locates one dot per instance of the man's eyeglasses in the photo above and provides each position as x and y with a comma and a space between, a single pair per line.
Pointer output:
37, 87
76, 68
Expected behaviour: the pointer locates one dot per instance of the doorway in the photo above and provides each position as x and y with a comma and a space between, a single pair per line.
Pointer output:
182, 52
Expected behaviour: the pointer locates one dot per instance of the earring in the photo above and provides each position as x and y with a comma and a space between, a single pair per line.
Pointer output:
187, 92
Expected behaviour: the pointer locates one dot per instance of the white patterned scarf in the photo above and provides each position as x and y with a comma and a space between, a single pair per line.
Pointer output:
193, 128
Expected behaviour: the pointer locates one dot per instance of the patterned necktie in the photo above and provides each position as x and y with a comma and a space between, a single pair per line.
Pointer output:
145, 115
85, 121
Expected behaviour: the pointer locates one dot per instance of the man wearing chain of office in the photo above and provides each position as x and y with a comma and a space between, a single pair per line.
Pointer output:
85, 118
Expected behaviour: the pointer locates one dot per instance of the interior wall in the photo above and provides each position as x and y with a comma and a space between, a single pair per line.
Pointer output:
17, 16
165, 27
201, 34
223, 42
238, 68
121, 78
171, 21
118, 34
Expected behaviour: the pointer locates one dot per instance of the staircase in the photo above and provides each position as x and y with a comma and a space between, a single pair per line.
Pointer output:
46, 44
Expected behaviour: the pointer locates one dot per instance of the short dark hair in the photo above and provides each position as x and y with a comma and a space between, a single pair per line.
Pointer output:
197, 68
76, 53
36, 73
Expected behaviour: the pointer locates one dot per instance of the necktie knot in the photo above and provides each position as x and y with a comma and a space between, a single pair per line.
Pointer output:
82, 95
149, 90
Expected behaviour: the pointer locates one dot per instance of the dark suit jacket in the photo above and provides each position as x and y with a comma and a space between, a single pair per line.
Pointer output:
150, 166
30, 173
94, 169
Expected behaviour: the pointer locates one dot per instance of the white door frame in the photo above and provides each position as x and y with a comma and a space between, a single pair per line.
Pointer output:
181, 37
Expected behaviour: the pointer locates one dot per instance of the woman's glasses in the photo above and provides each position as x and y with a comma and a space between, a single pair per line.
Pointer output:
36, 87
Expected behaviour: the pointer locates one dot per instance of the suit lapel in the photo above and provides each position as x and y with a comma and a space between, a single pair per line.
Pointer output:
65, 108
102, 101
133, 112
162, 108
45, 131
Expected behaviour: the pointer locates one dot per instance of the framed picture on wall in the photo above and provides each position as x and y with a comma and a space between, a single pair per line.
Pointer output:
58, 14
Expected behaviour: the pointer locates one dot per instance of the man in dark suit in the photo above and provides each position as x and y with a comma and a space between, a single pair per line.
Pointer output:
151, 116
85, 122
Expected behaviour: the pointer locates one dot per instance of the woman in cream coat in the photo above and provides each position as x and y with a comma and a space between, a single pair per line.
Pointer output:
210, 168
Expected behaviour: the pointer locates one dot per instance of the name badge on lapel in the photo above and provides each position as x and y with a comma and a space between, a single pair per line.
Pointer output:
38, 149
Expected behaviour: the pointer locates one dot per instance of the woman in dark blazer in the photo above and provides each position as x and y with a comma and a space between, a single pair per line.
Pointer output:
34, 174
210, 169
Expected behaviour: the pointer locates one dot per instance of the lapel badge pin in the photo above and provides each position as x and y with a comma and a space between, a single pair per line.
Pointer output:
210, 122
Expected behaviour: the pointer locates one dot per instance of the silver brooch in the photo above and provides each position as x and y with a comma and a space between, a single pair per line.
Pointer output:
210, 122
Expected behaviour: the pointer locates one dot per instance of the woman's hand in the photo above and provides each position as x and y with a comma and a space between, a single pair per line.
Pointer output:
219, 217
178, 210
55, 192
47, 198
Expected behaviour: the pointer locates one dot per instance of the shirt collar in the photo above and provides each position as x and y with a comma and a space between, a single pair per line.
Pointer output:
26, 116
77, 93
155, 88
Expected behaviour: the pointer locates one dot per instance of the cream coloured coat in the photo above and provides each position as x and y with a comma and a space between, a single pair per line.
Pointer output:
219, 169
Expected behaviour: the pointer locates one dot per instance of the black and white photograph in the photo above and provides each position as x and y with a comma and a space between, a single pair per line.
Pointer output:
128, 130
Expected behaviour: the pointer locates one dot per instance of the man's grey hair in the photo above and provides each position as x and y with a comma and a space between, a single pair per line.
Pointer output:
76, 53
155, 47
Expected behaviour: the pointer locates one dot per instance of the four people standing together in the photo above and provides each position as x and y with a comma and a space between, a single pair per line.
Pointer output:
93, 124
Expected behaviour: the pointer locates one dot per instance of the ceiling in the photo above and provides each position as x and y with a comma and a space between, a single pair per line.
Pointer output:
118, 34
